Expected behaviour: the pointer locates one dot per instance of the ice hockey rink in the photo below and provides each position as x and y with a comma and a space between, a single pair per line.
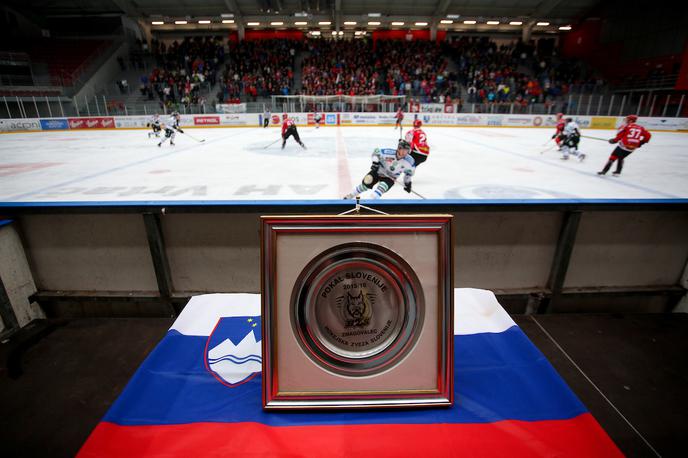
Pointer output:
249, 164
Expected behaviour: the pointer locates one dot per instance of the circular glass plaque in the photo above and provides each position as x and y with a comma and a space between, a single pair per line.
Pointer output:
357, 309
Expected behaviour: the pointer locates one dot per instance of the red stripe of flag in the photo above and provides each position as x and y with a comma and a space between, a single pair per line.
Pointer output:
576, 437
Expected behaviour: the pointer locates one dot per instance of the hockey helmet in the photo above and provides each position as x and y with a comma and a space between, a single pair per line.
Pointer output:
417, 123
285, 116
403, 144
631, 118
560, 115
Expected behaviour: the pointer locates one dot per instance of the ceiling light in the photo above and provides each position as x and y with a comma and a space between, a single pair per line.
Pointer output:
300, 23
204, 22
445, 21
334, 32
397, 23
315, 32
452, 16
492, 22
324, 23
340, 33
565, 27
350, 23
157, 23
228, 21
515, 23
227, 15
543, 23
470, 22
357, 33
277, 23
374, 23
374, 14
421, 24
253, 23
180, 22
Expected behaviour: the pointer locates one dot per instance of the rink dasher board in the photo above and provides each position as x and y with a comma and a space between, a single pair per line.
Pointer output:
253, 120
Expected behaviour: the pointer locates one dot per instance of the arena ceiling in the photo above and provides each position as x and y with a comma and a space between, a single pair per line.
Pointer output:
447, 14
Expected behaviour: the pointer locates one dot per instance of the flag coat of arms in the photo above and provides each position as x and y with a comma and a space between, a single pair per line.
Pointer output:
199, 393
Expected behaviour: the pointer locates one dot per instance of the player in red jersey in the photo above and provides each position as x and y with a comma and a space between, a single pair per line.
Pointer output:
289, 129
630, 137
420, 150
400, 117
559, 134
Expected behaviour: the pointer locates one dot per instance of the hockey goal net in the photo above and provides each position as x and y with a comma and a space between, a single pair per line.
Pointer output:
336, 103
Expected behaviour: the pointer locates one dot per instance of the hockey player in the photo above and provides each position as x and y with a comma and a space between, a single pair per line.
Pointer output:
420, 150
154, 124
630, 137
266, 118
171, 128
400, 117
570, 140
559, 134
289, 129
388, 165
317, 117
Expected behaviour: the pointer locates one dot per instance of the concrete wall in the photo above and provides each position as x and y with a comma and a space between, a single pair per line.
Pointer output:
89, 253
16, 276
621, 260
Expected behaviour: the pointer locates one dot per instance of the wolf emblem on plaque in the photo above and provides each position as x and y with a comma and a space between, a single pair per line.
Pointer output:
357, 310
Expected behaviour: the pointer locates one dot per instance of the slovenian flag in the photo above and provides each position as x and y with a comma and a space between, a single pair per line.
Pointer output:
199, 393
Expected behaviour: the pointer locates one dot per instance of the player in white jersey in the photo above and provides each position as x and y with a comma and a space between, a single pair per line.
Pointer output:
388, 165
571, 138
154, 124
171, 127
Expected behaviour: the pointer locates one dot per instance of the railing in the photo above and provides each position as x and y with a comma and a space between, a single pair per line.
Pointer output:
660, 82
35, 106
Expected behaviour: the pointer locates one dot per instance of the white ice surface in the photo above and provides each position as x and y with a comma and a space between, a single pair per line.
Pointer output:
248, 164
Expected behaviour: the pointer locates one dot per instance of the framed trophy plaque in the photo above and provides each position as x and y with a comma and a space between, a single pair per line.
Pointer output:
357, 311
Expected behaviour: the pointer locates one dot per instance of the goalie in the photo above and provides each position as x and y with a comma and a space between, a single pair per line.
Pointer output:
388, 165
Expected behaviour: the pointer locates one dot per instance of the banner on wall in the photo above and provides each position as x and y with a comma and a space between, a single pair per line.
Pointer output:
92, 123
230, 108
603, 122
54, 124
15, 125
206, 120
131, 122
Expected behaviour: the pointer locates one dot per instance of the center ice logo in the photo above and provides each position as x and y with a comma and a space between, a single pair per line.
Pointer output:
233, 350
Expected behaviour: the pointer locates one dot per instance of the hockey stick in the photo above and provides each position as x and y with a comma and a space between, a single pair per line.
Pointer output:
193, 138
268, 146
596, 138
412, 191
547, 142
547, 149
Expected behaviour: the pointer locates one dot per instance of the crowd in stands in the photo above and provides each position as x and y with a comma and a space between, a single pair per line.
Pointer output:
182, 69
483, 71
259, 68
361, 67
514, 73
